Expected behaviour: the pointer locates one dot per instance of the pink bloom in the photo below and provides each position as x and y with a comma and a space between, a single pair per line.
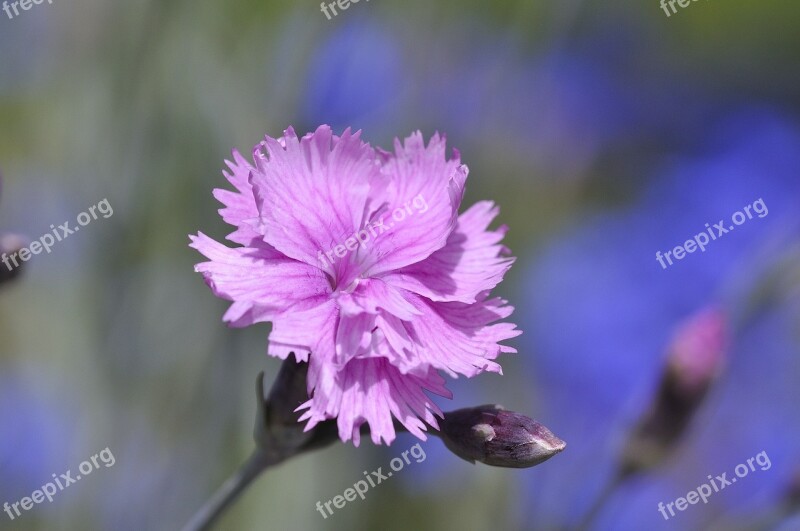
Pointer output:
698, 349
361, 262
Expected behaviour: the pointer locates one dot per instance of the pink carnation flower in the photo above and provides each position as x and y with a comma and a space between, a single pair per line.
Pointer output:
361, 262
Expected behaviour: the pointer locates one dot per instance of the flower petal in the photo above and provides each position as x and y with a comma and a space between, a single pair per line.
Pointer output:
240, 206
454, 337
471, 262
421, 205
262, 282
372, 391
372, 295
312, 193
303, 332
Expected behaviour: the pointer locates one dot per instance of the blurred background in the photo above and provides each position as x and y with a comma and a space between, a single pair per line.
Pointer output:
605, 131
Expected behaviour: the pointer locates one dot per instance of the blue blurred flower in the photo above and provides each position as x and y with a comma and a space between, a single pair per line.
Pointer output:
602, 310
160, 483
36, 436
355, 78
25, 41
532, 105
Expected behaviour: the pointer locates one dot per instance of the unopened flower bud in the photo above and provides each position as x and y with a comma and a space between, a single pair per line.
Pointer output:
696, 356
697, 352
10, 244
793, 492
497, 437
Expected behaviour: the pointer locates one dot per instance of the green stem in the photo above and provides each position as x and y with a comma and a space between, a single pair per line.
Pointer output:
605, 495
229, 492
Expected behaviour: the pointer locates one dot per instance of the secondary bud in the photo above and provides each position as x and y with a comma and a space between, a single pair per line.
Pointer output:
793, 492
10, 265
697, 352
695, 358
10, 244
497, 437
